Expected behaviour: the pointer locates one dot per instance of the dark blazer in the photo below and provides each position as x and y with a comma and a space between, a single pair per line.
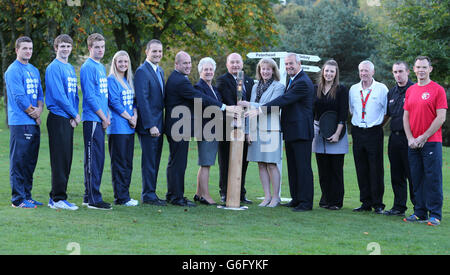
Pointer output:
227, 86
180, 92
149, 99
339, 104
297, 109
203, 87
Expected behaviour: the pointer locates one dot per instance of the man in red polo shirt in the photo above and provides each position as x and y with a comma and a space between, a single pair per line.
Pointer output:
425, 110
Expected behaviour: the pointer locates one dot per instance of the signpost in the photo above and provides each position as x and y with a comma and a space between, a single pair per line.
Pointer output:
281, 55
236, 153
237, 134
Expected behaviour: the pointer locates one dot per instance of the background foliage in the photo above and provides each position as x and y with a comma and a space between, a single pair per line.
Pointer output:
345, 30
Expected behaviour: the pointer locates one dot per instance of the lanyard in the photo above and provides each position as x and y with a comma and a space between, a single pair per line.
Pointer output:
364, 102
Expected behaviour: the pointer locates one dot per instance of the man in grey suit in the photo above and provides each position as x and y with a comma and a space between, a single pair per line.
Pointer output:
149, 90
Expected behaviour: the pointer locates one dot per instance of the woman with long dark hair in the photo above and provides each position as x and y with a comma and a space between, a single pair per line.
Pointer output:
331, 98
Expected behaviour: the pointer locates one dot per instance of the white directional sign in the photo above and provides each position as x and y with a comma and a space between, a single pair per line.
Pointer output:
266, 54
281, 55
308, 68
311, 58
303, 57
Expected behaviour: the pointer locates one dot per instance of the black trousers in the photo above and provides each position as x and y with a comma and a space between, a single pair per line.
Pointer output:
224, 159
60, 139
301, 185
121, 149
400, 172
176, 168
331, 179
368, 156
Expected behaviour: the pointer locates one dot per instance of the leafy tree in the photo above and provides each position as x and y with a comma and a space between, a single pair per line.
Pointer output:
417, 27
331, 29
206, 27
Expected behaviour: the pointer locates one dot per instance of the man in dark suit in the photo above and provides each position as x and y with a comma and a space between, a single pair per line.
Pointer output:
149, 90
297, 126
179, 103
227, 86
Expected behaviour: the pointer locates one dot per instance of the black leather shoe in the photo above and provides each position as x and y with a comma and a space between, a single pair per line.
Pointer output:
157, 202
300, 209
196, 197
333, 207
183, 202
246, 201
292, 203
394, 212
204, 201
362, 209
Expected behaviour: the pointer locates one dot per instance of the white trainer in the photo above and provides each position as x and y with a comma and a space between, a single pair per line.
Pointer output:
131, 202
63, 204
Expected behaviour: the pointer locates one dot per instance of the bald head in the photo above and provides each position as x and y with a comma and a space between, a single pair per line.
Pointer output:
234, 63
183, 62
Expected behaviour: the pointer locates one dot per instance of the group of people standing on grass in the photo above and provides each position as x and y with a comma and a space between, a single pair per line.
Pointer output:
308, 117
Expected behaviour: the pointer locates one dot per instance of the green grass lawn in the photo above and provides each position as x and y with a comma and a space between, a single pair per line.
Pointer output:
205, 229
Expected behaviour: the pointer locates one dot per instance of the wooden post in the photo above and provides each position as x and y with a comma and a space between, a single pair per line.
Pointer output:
235, 169
236, 151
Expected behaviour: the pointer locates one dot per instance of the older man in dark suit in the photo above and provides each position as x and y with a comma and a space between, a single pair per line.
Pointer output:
298, 131
149, 90
227, 86
179, 101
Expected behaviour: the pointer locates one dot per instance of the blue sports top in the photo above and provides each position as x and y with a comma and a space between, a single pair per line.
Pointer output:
23, 87
120, 100
61, 94
94, 86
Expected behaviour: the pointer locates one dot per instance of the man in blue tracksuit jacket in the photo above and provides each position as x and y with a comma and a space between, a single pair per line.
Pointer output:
25, 103
96, 118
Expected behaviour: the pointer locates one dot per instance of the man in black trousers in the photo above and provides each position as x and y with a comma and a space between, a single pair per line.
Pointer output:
398, 143
62, 102
227, 87
368, 104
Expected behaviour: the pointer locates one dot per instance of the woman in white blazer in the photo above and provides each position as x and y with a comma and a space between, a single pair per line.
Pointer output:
263, 132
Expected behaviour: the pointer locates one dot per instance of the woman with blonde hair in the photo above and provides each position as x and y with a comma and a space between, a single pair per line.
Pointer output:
264, 134
121, 131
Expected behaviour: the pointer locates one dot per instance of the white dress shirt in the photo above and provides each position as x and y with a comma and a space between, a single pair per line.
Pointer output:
375, 108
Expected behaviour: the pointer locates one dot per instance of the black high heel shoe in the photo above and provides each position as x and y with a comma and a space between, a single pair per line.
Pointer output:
197, 198
204, 201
